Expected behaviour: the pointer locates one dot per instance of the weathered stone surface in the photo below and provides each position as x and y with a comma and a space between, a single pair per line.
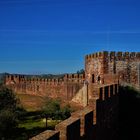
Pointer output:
80, 125
69, 129
103, 72
65, 88
107, 68
47, 135
100, 68
86, 120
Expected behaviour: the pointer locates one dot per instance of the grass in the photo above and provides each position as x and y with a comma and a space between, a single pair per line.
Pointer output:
29, 127
30, 124
40, 123
52, 123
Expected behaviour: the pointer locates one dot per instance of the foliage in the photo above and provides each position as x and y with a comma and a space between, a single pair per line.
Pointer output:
82, 71
16, 123
8, 112
8, 122
53, 110
7, 99
66, 112
31, 123
2, 77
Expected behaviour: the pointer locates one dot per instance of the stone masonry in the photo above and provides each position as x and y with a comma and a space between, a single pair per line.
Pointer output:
100, 68
97, 90
65, 88
80, 125
111, 67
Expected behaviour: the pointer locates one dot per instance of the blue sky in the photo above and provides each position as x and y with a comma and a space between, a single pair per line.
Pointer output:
53, 36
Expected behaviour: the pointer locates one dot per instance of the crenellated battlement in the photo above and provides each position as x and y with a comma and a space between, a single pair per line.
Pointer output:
81, 125
96, 55
97, 89
75, 76
45, 81
66, 87
14, 78
101, 67
124, 56
107, 91
18, 79
119, 56
79, 78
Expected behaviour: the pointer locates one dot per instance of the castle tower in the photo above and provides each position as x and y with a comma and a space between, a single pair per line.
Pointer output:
111, 67
96, 65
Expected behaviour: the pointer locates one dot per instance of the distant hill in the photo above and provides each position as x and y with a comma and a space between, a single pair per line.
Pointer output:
46, 76
2, 77
52, 76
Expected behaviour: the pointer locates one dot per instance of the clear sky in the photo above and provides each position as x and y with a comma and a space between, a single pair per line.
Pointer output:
53, 36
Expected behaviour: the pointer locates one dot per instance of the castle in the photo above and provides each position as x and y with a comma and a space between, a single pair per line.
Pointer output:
100, 68
96, 90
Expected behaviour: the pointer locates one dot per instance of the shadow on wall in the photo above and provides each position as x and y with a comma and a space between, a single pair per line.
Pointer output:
80, 125
129, 114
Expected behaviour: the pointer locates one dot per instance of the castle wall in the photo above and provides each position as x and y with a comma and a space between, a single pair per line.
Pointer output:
80, 125
127, 67
95, 67
109, 67
47, 135
81, 97
103, 71
65, 88
107, 113
96, 64
69, 129
100, 68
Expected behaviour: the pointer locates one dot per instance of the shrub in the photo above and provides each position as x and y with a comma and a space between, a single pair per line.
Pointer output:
8, 122
55, 111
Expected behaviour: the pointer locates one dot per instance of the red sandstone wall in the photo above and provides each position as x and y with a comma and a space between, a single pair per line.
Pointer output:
80, 125
111, 67
65, 88
96, 64
107, 113
127, 66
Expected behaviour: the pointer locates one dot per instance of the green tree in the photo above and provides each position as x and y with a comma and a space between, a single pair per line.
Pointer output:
66, 112
53, 110
7, 99
8, 116
8, 123
82, 71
